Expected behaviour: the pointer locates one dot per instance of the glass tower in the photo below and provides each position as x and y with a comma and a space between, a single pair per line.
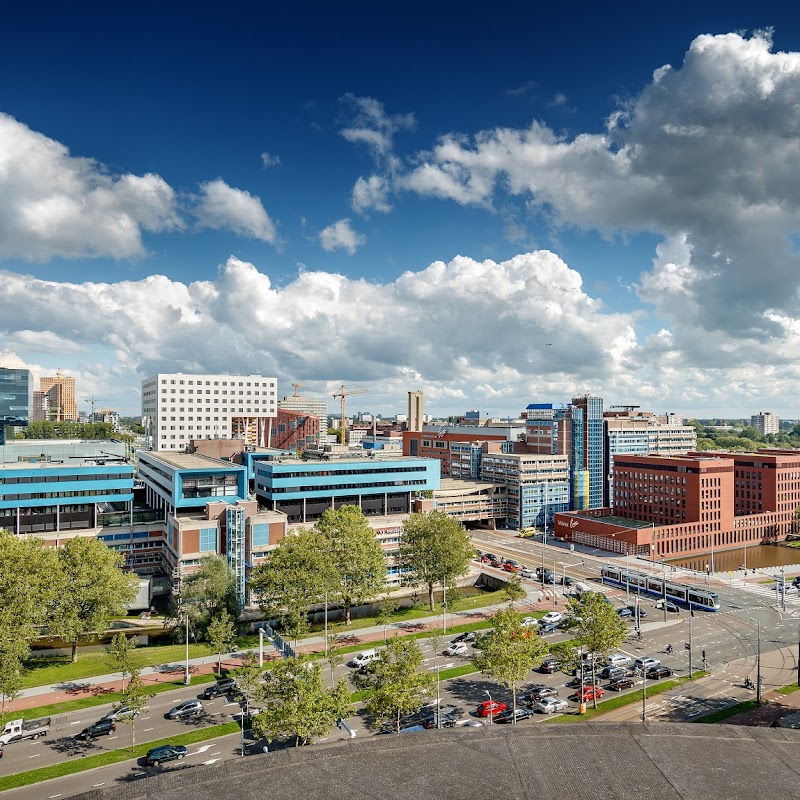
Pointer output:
593, 445
16, 399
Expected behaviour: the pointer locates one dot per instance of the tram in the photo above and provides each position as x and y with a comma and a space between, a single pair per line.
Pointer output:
657, 586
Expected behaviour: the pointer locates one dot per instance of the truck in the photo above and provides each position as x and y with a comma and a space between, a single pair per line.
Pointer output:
18, 729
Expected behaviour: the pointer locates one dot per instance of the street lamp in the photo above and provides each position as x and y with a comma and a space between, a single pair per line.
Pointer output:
490, 705
186, 678
759, 680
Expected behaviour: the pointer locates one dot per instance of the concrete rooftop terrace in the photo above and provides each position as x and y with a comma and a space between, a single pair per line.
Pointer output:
578, 761
190, 460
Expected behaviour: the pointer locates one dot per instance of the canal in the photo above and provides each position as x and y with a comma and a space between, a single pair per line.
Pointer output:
755, 556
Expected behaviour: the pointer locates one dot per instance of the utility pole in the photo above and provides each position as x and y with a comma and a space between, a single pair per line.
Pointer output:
758, 665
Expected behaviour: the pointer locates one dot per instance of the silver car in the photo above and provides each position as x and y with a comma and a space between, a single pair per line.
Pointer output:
121, 712
551, 705
188, 708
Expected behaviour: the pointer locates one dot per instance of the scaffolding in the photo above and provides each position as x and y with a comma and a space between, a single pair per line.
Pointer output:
235, 549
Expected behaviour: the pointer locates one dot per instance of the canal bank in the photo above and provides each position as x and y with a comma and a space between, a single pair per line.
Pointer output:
761, 556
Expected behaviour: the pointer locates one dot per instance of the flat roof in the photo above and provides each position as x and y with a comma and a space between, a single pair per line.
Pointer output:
467, 484
189, 460
349, 459
611, 519
111, 461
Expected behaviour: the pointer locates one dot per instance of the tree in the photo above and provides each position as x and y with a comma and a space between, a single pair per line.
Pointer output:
92, 588
120, 654
567, 655
298, 704
295, 575
398, 686
509, 651
221, 635
386, 608
210, 589
434, 548
596, 624
135, 700
514, 590
13, 650
249, 676
356, 564
335, 656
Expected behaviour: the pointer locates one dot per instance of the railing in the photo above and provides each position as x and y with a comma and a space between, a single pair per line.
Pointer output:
278, 642
111, 519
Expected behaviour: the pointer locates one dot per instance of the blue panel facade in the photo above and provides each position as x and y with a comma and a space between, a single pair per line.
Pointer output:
16, 399
193, 488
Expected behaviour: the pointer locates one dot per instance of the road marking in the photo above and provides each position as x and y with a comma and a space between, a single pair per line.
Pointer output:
53, 796
231, 704
98, 784
211, 761
36, 755
146, 729
77, 722
144, 718
113, 737
202, 749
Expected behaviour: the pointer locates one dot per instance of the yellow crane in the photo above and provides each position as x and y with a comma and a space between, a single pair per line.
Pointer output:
346, 392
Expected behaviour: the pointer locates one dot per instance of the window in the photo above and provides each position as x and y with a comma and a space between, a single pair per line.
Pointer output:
260, 535
208, 540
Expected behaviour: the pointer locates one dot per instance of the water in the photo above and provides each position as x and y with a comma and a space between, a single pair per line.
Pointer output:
765, 555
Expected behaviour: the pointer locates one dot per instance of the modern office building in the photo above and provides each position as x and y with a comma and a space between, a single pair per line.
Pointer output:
294, 430
765, 423
303, 490
688, 505
16, 399
62, 405
538, 486
641, 433
308, 406
593, 445
41, 407
177, 408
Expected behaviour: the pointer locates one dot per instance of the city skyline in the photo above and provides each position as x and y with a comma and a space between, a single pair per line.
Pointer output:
495, 209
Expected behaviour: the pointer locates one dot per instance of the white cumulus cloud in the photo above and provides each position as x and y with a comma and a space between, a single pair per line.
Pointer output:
341, 236
223, 207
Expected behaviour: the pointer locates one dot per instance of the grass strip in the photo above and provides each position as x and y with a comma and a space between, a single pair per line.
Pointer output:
725, 713
790, 688
112, 757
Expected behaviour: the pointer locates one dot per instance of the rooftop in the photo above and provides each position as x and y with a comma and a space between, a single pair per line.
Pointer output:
189, 460
66, 463
611, 519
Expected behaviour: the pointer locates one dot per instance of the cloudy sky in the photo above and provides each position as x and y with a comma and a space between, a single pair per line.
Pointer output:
496, 207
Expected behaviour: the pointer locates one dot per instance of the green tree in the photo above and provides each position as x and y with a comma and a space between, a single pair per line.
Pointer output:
295, 575
209, 590
221, 635
249, 677
386, 608
356, 563
434, 549
298, 704
120, 654
92, 589
398, 686
13, 650
596, 624
509, 651
135, 700
514, 590
335, 656
567, 655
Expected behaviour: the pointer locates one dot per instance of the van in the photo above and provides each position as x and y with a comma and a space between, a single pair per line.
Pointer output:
612, 673
644, 664
364, 657
618, 660
580, 588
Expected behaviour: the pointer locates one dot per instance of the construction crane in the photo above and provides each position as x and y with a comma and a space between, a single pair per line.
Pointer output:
296, 387
345, 392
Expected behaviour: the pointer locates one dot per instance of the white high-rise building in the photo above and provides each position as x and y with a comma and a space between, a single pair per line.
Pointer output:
765, 422
306, 405
177, 408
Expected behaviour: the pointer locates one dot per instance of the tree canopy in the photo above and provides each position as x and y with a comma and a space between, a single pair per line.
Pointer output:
434, 549
209, 590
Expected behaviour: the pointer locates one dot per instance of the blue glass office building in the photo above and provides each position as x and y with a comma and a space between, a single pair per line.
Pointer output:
16, 399
594, 445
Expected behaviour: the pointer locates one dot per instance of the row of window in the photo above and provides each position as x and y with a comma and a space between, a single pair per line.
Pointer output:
271, 384
333, 487
43, 478
55, 495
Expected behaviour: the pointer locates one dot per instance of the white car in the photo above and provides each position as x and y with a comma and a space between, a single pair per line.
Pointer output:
551, 618
529, 622
526, 572
552, 705
457, 649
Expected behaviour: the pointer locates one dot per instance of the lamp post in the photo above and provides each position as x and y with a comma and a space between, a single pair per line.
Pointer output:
490, 706
186, 678
759, 679
326, 624
644, 693
260, 648
544, 535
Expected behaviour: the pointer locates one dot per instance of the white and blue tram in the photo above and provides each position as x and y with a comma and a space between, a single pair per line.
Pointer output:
657, 586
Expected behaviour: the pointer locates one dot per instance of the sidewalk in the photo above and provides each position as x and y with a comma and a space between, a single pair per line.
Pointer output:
162, 673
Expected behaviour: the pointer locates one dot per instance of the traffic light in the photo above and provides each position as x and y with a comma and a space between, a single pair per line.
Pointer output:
704, 655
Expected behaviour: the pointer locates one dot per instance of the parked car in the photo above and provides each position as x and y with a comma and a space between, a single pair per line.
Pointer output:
576, 683
537, 693
449, 719
469, 636
485, 558
514, 715
188, 708
655, 673
642, 665
671, 607
625, 613
496, 562
618, 684
618, 660
364, 657
457, 649
551, 705
529, 622
546, 628
612, 673
510, 566
166, 752
103, 727
548, 577
642, 612
220, 688
121, 712
490, 708
549, 666
551, 617
566, 581
527, 572
587, 693
491, 556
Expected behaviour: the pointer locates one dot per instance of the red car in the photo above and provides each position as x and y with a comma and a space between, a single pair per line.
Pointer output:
588, 693
488, 708
510, 567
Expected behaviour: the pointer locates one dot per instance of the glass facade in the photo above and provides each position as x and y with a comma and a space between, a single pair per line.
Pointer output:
16, 399
593, 445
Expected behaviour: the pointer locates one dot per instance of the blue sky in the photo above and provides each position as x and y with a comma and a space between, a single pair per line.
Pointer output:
495, 206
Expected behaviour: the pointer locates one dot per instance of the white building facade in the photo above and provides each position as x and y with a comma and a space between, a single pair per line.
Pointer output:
177, 408
765, 422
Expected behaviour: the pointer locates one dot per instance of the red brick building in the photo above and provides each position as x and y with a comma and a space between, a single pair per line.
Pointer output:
686, 505
294, 430
436, 444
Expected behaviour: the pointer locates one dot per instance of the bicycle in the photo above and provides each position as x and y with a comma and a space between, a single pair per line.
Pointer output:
669, 649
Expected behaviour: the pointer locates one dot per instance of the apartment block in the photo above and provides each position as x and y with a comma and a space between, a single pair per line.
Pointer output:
61, 402
765, 423
177, 408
